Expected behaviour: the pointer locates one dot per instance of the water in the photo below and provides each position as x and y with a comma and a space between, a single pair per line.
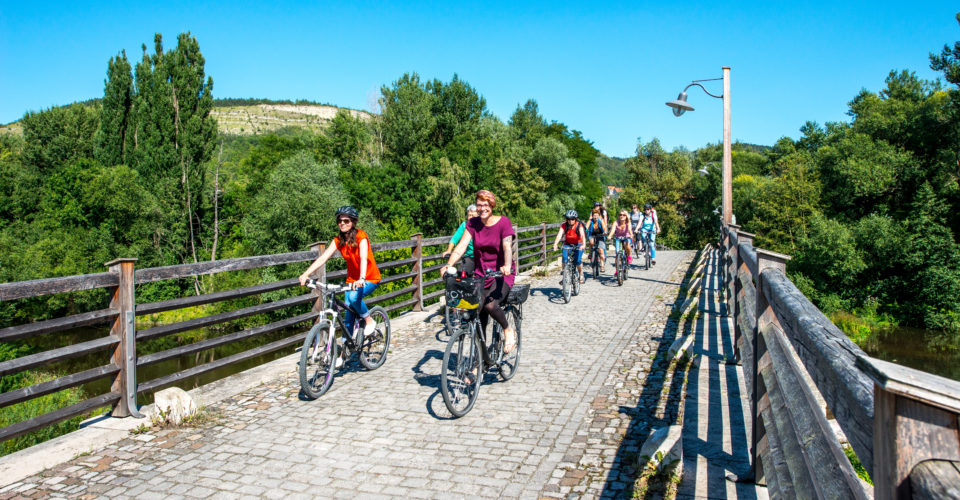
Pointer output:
913, 347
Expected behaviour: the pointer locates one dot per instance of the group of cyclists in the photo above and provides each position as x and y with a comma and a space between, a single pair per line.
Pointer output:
627, 229
484, 243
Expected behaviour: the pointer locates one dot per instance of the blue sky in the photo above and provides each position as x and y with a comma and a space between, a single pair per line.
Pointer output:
605, 69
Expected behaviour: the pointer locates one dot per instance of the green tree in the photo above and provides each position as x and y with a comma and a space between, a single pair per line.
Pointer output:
111, 138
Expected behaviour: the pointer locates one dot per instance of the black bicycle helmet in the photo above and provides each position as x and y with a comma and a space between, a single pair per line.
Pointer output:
647, 206
597, 204
571, 214
349, 211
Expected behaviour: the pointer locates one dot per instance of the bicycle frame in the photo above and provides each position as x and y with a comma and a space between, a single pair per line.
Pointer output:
331, 311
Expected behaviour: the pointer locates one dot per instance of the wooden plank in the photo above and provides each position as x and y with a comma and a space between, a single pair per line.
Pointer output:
440, 240
432, 282
56, 324
393, 245
527, 229
830, 359
58, 384
437, 293
47, 419
397, 263
531, 247
826, 464
52, 356
49, 286
936, 479
401, 305
209, 298
917, 385
397, 277
775, 469
531, 238
152, 274
230, 338
748, 255
213, 319
161, 382
387, 296
783, 430
524, 267
529, 255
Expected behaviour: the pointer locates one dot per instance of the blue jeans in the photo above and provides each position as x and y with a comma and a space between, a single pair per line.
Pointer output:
644, 233
354, 300
616, 242
577, 255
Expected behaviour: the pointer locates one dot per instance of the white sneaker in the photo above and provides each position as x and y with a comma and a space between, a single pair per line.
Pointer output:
337, 363
369, 328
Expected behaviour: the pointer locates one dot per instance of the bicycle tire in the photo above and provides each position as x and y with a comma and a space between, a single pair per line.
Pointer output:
508, 362
566, 283
576, 281
316, 372
646, 255
619, 267
461, 357
595, 256
374, 348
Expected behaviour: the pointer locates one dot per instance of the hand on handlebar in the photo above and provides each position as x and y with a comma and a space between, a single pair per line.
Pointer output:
304, 278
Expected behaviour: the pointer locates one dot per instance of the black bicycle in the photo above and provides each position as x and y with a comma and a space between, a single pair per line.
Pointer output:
621, 261
644, 254
595, 257
570, 278
467, 357
321, 349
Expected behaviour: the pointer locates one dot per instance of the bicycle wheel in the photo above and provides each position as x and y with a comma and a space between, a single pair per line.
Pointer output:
508, 362
373, 350
646, 255
576, 280
317, 361
566, 283
595, 256
461, 372
619, 269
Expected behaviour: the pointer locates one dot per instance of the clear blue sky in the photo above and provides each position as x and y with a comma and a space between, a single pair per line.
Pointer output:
603, 69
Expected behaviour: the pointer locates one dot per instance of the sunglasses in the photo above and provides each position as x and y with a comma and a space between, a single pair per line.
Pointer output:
344, 221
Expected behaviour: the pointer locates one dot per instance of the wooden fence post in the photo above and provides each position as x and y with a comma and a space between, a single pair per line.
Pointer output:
731, 266
515, 265
321, 276
765, 315
543, 244
742, 237
124, 302
418, 268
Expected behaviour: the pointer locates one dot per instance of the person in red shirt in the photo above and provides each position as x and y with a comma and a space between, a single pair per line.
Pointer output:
362, 273
574, 239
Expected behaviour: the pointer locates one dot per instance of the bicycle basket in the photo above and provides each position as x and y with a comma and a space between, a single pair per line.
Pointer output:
463, 293
518, 294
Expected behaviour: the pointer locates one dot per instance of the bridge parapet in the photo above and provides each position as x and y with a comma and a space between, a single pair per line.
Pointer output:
421, 268
800, 369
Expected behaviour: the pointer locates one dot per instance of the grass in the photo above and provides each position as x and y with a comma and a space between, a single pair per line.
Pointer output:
857, 466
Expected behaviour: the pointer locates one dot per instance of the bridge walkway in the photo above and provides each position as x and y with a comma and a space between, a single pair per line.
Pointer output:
591, 383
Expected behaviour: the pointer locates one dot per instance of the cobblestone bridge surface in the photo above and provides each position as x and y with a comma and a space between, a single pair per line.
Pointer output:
589, 373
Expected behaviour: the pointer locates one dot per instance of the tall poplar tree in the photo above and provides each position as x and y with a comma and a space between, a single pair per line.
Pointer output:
111, 139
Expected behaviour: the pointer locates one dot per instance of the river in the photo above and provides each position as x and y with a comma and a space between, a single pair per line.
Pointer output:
913, 347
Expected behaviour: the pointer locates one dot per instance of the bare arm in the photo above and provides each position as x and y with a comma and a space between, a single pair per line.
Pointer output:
364, 252
559, 235
507, 243
458, 252
317, 264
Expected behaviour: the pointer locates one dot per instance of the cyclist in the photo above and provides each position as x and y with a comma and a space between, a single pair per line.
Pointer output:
635, 216
597, 229
468, 265
574, 239
363, 276
622, 231
492, 238
650, 227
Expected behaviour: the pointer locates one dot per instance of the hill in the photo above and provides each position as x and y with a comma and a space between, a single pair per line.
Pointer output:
253, 116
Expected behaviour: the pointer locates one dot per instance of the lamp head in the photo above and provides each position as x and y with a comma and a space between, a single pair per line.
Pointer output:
680, 104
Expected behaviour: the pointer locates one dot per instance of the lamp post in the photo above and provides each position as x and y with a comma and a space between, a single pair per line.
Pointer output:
681, 106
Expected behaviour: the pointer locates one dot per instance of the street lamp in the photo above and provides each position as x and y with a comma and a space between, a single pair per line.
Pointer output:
680, 106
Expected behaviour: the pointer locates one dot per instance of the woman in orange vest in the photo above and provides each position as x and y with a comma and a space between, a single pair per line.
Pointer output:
362, 272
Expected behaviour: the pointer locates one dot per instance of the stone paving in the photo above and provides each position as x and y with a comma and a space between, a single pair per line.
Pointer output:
569, 424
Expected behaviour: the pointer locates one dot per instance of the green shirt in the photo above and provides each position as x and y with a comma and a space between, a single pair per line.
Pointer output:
457, 236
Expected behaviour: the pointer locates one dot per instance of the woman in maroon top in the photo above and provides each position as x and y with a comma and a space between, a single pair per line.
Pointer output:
492, 237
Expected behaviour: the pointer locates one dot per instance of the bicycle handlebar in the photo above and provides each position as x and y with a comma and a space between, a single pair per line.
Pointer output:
327, 287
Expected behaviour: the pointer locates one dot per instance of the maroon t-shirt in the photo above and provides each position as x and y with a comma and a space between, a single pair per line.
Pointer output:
488, 247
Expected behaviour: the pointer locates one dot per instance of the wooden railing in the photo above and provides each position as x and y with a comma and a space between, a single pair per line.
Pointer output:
800, 369
422, 269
